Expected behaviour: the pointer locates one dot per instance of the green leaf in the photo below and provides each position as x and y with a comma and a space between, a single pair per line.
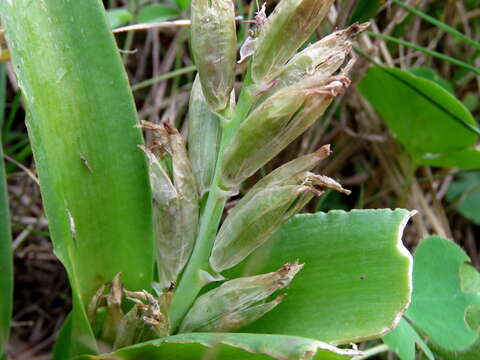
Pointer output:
231, 346
364, 10
432, 125
94, 179
440, 309
464, 193
6, 265
464, 159
119, 17
355, 283
402, 340
61, 348
157, 13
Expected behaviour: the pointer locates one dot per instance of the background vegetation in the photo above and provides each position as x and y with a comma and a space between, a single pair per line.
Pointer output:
398, 141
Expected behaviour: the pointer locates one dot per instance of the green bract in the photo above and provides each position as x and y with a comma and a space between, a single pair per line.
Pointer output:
271, 127
236, 303
269, 204
204, 134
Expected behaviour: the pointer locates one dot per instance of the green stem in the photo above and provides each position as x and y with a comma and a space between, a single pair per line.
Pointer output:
192, 281
372, 352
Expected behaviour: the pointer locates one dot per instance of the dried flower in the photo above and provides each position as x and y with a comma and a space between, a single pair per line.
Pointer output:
175, 204
274, 124
237, 302
286, 29
322, 58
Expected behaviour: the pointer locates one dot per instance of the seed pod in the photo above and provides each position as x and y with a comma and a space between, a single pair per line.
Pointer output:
286, 29
214, 47
263, 210
203, 138
237, 302
175, 205
270, 128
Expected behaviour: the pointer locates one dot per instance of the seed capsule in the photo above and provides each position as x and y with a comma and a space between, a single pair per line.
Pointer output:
237, 302
214, 47
285, 30
175, 204
203, 138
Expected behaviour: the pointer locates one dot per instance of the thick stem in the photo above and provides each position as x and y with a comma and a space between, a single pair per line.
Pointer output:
192, 282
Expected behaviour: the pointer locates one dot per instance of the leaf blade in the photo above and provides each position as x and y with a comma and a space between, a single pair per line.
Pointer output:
94, 180
6, 261
409, 104
357, 264
402, 340
230, 346
437, 271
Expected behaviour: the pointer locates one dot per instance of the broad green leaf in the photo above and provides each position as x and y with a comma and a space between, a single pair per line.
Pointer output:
427, 120
231, 346
364, 10
356, 279
440, 309
93, 177
119, 17
464, 194
402, 341
6, 262
157, 13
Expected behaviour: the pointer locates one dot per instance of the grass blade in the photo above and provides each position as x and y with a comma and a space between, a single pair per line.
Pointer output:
425, 51
439, 24
6, 266
94, 179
